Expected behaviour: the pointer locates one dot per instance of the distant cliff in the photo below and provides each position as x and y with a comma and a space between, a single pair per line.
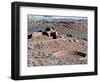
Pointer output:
71, 25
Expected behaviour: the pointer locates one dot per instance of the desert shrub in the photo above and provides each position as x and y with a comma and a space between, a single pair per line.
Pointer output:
69, 35
85, 39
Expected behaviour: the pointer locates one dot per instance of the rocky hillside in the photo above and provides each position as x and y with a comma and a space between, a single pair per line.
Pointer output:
43, 50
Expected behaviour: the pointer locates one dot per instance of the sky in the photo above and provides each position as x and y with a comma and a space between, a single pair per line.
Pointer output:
30, 16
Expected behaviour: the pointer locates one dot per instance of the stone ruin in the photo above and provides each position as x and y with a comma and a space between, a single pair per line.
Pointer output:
50, 32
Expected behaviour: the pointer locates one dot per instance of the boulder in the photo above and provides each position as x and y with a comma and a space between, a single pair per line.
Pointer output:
30, 36
75, 40
71, 40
